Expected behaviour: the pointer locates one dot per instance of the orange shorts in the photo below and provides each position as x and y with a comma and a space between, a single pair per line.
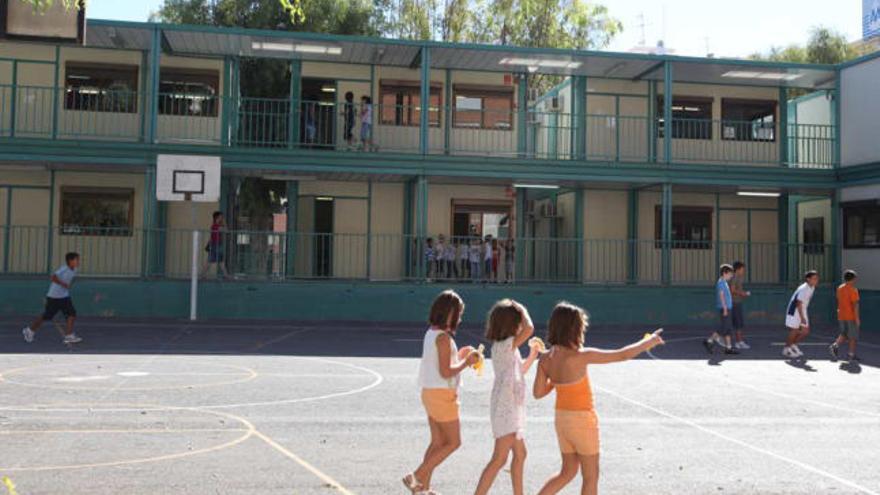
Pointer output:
578, 432
441, 404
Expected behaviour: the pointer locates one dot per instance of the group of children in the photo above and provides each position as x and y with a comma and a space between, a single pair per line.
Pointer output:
364, 115
563, 368
469, 258
729, 297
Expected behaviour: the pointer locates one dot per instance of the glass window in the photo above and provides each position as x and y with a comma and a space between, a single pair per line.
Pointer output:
400, 104
691, 227
861, 225
691, 117
748, 120
484, 108
96, 211
188, 92
101, 87
814, 235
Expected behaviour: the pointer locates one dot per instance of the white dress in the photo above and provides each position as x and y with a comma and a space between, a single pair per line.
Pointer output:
508, 404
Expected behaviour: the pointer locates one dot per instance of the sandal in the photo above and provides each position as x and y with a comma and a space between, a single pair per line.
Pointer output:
412, 484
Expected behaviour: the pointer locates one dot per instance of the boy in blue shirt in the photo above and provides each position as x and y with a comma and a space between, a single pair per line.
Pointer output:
724, 304
58, 299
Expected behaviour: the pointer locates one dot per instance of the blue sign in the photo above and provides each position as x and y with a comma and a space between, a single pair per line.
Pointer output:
870, 18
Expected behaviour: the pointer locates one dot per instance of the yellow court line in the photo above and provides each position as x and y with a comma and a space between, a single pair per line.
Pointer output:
302, 462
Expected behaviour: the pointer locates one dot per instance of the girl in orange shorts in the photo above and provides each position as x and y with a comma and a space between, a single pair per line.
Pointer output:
439, 370
564, 368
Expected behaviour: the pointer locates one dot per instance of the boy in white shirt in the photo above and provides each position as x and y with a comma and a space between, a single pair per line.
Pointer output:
58, 299
797, 317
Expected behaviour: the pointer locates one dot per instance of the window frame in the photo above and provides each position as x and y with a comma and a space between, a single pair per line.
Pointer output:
482, 92
409, 89
858, 205
702, 244
210, 77
108, 100
94, 230
754, 102
679, 130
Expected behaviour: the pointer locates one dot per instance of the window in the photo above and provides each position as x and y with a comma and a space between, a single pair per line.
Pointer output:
480, 218
861, 225
400, 103
188, 92
478, 107
101, 87
691, 117
691, 227
748, 120
814, 235
96, 211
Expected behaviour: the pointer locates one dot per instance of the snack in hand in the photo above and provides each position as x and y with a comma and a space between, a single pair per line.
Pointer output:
537, 343
478, 366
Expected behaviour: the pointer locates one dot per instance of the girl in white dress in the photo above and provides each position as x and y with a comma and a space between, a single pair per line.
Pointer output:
509, 326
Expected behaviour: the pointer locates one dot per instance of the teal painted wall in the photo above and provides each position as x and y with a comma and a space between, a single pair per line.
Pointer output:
402, 302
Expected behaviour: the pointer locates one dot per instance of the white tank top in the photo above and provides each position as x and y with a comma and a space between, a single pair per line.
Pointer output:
429, 368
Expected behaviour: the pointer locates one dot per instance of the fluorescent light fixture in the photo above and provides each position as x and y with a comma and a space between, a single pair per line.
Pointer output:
759, 194
323, 198
535, 63
328, 89
273, 46
773, 76
535, 186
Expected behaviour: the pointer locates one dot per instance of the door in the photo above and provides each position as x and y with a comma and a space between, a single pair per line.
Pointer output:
323, 247
318, 113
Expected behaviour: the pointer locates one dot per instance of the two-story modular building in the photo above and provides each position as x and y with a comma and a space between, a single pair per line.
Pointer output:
617, 180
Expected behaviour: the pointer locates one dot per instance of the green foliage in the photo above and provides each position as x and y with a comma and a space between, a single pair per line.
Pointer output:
825, 46
42, 6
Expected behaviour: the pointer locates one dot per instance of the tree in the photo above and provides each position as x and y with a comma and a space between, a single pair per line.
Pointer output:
824, 46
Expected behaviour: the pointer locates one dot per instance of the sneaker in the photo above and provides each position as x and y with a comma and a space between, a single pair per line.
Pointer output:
708, 344
833, 349
28, 334
731, 350
853, 357
788, 352
743, 346
72, 339
797, 350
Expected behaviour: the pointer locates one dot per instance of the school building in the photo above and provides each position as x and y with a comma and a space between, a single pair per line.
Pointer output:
619, 181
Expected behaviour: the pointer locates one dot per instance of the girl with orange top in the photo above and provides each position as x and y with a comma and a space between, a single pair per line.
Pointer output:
439, 370
564, 368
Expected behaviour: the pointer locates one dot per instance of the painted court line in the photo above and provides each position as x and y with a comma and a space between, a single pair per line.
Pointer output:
302, 462
741, 443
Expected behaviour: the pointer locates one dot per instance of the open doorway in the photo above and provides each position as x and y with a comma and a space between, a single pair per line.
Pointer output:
323, 258
318, 113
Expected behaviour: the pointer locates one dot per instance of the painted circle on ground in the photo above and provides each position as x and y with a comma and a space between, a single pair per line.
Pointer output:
218, 431
127, 375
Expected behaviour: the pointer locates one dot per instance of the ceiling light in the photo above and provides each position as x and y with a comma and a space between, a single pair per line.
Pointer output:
775, 76
291, 47
759, 194
328, 89
272, 47
535, 186
537, 62
323, 198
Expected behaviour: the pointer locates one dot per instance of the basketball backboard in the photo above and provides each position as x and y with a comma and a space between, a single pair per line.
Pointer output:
188, 177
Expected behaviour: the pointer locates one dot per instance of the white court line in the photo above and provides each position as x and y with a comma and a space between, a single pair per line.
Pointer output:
741, 443
302, 462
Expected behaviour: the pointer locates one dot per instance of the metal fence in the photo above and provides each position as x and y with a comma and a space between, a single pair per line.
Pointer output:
249, 122
278, 256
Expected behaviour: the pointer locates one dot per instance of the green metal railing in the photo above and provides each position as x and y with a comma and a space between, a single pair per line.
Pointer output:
257, 255
250, 122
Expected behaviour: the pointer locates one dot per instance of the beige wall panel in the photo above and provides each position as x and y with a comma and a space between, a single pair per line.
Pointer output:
387, 241
605, 231
55, 21
29, 235
764, 251
596, 85
350, 240
333, 188
31, 51
335, 71
20, 177
178, 239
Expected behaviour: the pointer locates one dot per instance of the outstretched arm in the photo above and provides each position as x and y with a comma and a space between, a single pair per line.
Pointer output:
603, 356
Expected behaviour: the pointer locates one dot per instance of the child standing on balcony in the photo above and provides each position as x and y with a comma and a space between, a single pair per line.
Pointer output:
463, 256
442, 363
58, 300
449, 257
509, 327
487, 257
366, 123
440, 257
564, 369
475, 257
430, 257
348, 118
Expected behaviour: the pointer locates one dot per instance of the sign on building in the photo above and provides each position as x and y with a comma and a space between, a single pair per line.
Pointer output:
870, 18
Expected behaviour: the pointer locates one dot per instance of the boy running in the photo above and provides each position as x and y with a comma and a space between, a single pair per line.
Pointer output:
796, 317
724, 303
58, 299
847, 315
739, 295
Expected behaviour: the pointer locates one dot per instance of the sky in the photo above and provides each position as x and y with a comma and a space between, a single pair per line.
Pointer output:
689, 27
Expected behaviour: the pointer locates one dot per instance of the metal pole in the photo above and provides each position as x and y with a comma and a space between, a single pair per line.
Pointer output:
194, 278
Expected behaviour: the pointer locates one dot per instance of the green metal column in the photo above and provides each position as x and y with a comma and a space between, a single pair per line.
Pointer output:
782, 234
782, 138
408, 241
50, 241
836, 236
421, 221
652, 121
149, 220
7, 230
447, 113
522, 114
292, 214
666, 234
425, 100
55, 92
579, 233
520, 234
295, 96
667, 112
225, 102
632, 236
369, 228
835, 115
13, 102
153, 93
142, 95
579, 117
